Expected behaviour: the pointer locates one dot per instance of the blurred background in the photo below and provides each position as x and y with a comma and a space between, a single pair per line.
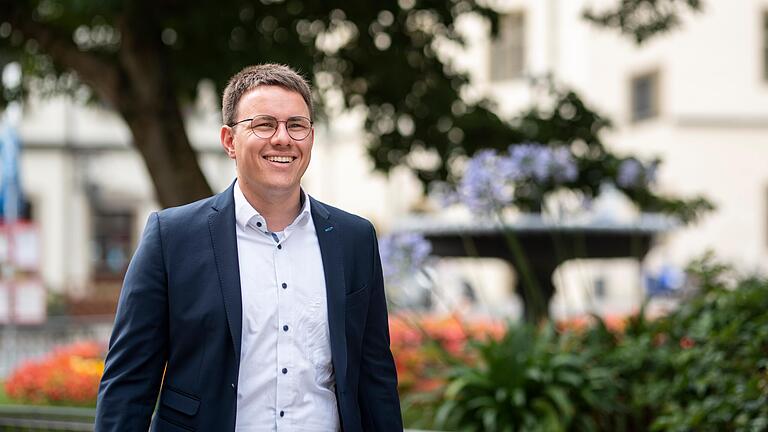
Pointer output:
523, 161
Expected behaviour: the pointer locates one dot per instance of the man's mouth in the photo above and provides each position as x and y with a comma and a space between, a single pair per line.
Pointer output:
280, 159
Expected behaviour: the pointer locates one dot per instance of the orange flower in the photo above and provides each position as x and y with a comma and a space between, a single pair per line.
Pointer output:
411, 340
68, 375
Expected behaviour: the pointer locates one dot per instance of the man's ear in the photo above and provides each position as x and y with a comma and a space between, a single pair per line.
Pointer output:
228, 141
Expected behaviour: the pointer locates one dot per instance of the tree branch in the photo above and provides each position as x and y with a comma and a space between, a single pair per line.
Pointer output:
102, 76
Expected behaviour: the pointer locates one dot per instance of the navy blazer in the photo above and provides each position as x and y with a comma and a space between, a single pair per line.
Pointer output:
179, 320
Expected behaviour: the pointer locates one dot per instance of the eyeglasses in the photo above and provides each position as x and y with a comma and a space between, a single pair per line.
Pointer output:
265, 126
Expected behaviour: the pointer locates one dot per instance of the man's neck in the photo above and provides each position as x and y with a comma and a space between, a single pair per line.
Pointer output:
278, 208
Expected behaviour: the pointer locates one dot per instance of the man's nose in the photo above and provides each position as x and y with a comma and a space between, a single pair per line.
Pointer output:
281, 134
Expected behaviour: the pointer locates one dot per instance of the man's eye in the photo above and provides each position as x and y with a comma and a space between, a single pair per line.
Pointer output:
264, 125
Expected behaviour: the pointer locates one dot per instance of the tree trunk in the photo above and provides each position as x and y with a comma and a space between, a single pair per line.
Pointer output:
150, 106
170, 159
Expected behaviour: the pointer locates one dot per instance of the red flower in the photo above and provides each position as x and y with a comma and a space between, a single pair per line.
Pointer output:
686, 342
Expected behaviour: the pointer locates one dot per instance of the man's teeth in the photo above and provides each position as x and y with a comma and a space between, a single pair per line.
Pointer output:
281, 159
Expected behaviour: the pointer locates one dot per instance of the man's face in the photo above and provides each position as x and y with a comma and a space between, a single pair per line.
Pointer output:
262, 166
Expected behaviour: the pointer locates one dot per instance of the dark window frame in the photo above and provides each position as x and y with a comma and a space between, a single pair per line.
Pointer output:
642, 110
112, 231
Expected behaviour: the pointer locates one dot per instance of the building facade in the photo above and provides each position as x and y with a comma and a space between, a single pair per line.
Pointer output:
696, 97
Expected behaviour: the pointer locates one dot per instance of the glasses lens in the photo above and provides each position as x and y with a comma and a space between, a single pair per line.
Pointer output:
264, 126
298, 127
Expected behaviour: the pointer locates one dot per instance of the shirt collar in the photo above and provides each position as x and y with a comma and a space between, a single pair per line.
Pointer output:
246, 214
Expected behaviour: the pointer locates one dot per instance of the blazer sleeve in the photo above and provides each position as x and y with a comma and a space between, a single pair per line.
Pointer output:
378, 397
137, 353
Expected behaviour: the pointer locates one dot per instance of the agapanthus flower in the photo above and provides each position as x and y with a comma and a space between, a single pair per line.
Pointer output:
531, 160
403, 255
542, 163
443, 193
633, 174
563, 167
485, 187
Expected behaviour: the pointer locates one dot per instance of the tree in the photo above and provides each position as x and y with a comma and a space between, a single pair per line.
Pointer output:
146, 59
643, 19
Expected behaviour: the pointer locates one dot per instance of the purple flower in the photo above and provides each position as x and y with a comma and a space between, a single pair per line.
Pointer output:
403, 255
486, 185
633, 174
542, 163
530, 159
490, 179
562, 167
444, 193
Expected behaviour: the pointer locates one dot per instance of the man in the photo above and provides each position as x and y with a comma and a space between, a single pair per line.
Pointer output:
260, 308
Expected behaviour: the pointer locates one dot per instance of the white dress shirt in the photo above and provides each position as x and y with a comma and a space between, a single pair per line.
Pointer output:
286, 380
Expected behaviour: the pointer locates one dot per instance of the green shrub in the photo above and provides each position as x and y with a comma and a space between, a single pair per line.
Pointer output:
703, 367
527, 381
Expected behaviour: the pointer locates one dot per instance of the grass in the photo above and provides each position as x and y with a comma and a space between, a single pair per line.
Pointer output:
4, 400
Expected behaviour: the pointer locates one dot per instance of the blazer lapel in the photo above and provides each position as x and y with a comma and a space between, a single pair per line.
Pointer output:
221, 223
328, 236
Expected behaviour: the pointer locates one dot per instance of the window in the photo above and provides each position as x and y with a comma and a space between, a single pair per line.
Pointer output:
599, 288
111, 247
508, 48
765, 45
644, 96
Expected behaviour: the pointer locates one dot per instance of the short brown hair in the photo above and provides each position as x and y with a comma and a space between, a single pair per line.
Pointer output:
269, 74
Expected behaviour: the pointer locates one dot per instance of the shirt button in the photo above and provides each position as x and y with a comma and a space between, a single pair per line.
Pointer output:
279, 246
258, 224
285, 371
282, 413
285, 328
285, 285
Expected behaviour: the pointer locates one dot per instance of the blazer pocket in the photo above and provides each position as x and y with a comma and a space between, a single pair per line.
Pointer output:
180, 402
356, 298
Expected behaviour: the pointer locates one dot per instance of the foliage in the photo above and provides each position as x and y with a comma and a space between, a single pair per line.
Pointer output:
554, 150
67, 376
424, 347
642, 19
703, 367
527, 381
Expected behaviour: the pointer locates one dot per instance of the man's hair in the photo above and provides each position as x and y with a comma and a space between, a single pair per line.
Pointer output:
269, 74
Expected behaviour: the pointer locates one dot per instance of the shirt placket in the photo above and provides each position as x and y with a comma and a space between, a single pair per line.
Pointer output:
285, 367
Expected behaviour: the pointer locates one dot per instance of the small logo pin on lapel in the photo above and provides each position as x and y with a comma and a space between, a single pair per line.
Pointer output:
329, 229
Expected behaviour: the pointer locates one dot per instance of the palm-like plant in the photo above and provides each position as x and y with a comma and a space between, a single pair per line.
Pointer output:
526, 381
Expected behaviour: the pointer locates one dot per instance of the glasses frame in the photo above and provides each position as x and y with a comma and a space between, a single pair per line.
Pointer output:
311, 125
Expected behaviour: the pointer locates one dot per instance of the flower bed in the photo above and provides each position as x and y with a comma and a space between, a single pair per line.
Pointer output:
69, 375
423, 346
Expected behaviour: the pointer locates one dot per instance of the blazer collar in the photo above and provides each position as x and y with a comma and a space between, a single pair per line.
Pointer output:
221, 223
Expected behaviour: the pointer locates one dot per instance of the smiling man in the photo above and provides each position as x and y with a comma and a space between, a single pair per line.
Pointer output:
260, 308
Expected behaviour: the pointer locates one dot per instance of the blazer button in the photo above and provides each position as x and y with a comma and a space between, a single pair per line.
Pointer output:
233, 385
